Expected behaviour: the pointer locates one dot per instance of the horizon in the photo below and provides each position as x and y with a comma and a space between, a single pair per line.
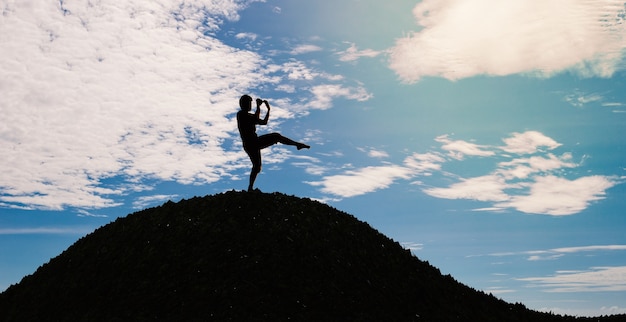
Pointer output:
485, 137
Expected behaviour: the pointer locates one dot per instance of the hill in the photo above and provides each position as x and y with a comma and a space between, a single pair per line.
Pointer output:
247, 257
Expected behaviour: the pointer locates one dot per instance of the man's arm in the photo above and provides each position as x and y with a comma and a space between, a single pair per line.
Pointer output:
257, 114
267, 116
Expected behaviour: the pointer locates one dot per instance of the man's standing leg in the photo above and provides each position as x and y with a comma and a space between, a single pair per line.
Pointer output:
255, 157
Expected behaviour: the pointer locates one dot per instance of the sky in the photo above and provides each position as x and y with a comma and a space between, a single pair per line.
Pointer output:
486, 136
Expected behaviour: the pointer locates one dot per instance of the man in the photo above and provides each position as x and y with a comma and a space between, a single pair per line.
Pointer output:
253, 144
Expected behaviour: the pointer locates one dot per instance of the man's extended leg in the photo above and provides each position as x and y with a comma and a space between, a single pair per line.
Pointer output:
267, 140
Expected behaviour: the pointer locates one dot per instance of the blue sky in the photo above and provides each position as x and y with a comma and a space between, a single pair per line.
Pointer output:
486, 136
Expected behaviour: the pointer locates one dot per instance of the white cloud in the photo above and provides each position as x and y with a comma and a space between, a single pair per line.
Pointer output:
523, 168
304, 49
562, 251
373, 153
145, 201
353, 53
424, 163
130, 90
412, 246
485, 188
299, 71
325, 94
461, 39
596, 279
532, 184
528, 142
458, 149
85, 213
579, 99
588, 248
246, 35
286, 88
556, 196
498, 290
543, 258
46, 231
109, 89
357, 182
586, 312
612, 104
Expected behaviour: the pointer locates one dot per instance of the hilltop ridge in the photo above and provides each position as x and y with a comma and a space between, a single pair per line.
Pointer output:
246, 256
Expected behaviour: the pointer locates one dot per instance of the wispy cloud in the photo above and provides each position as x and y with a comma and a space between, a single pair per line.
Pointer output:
305, 49
562, 251
325, 94
412, 246
579, 99
145, 201
85, 213
353, 53
246, 35
595, 279
612, 104
357, 182
498, 290
461, 39
581, 311
46, 231
374, 153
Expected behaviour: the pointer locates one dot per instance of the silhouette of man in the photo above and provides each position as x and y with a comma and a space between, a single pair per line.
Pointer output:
253, 144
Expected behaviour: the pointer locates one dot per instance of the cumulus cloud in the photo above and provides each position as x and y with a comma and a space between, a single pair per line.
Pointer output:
526, 178
460, 39
556, 196
527, 184
361, 181
131, 90
528, 142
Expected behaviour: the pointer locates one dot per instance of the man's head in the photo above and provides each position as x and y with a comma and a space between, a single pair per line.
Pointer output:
245, 102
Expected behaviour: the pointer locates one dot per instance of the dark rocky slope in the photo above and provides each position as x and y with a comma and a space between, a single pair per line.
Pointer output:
247, 257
